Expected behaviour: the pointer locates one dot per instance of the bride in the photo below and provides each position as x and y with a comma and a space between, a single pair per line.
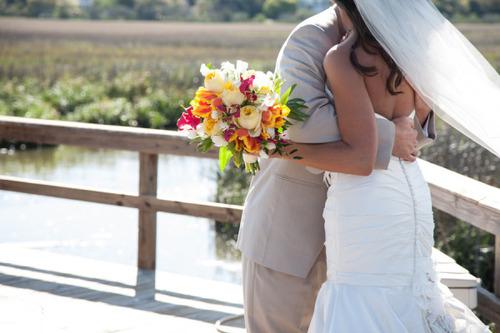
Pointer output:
398, 58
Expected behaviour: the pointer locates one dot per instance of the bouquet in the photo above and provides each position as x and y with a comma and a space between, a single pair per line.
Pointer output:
243, 113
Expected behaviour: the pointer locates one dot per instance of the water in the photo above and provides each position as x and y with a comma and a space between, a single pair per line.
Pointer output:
185, 245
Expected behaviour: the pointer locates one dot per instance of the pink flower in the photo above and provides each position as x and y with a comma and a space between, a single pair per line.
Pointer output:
246, 84
228, 134
188, 121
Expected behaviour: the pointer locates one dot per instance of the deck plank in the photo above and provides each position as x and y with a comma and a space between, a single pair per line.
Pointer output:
74, 294
124, 299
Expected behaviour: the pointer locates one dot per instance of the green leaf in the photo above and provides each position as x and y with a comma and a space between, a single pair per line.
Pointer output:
225, 156
278, 83
286, 95
205, 145
238, 159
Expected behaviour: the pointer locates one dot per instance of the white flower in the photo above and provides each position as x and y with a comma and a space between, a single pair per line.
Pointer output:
219, 141
250, 118
214, 81
241, 66
249, 158
263, 82
270, 132
221, 125
232, 95
190, 133
269, 100
229, 71
214, 115
204, 70
248, 74
263, 154
271, 146
256, 132
200, 131
227, 67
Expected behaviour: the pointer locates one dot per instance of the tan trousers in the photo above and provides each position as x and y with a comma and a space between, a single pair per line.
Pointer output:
280, 303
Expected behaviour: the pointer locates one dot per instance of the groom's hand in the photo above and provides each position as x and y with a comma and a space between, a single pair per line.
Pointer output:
405, 143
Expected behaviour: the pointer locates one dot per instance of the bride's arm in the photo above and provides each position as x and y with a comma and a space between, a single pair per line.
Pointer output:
356, 152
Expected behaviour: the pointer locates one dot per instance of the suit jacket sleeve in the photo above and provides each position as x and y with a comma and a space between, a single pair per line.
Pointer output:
301, 62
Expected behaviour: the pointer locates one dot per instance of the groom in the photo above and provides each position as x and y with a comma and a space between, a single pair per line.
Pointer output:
282, 233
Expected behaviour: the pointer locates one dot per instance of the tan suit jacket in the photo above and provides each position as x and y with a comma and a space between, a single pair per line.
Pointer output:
282, 224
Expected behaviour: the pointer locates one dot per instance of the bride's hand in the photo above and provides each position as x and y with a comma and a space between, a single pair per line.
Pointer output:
405, 144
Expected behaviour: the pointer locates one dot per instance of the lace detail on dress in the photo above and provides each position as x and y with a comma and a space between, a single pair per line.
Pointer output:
430, 298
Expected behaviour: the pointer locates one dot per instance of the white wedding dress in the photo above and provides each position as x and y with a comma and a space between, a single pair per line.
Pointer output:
379, 239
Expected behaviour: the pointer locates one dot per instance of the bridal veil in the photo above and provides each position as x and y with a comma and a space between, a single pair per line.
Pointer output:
441, 64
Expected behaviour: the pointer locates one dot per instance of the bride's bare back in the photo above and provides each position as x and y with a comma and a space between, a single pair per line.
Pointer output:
384, 103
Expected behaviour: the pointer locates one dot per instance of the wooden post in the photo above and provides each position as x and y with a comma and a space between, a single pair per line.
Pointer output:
497, 266
148, 184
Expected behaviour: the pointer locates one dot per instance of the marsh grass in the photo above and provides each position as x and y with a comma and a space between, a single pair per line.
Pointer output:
139, 73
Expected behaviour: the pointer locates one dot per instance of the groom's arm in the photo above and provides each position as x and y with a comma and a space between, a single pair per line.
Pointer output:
301, 62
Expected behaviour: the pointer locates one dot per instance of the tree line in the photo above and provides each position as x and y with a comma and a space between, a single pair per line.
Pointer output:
194, 10
210, 10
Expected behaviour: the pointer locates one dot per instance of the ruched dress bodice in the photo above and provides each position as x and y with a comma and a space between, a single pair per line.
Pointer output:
381, 278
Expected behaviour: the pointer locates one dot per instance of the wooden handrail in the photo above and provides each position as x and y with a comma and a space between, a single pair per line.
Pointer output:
210, 210
467, 199
142, 140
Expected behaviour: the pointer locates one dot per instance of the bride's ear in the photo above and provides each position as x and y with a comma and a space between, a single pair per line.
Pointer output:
345, 20
350, 38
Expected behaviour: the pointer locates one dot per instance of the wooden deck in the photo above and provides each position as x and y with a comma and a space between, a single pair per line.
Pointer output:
43, 292
173, 301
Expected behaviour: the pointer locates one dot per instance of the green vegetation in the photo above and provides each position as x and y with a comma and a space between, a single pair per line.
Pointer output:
138, 74
193, 10
212, 10
138, 79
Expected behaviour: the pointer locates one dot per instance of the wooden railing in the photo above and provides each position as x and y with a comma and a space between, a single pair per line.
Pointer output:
467, 199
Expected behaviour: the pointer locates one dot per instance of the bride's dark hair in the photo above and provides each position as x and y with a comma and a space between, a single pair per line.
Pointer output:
371, 46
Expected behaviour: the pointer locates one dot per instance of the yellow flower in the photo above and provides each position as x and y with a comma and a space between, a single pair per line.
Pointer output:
249, 118
232, 95
285, 110
209, 126
214, 81
264, 90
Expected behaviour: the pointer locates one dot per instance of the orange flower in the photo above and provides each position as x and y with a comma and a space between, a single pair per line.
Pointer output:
280, 122
277, 115
203, 102
243, 140
238, 145
264, 135
274, 117
251, 145
268, 119
242, 132
209, 126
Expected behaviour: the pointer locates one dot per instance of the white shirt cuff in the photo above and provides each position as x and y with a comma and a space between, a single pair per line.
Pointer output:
425, 126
